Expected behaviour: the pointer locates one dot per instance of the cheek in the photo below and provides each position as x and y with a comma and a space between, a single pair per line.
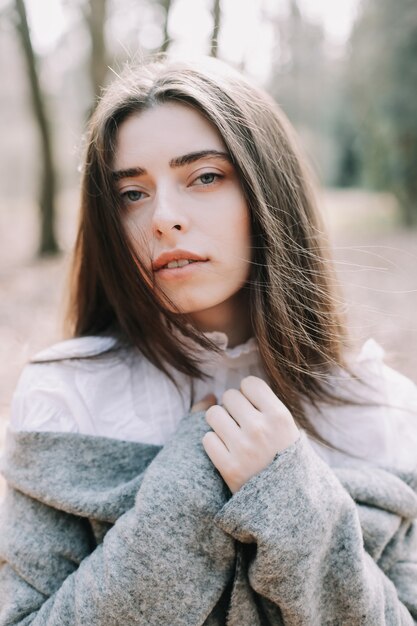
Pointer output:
231, 224
246, 251
235, 245
132, 224
242, 234
138, 237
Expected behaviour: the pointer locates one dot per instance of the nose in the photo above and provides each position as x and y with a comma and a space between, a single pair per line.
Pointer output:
169, 215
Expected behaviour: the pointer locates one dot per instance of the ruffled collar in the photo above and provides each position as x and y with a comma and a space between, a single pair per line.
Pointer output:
244, 354
222, 341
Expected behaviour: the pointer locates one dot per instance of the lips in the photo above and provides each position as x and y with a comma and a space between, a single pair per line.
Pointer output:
180, 257
180, 263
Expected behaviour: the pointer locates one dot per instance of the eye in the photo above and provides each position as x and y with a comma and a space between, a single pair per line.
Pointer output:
207, 179
132, 195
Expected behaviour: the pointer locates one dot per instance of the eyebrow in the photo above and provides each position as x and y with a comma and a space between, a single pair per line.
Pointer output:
180, 161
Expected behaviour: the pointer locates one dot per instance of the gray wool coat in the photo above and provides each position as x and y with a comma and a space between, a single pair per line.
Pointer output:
102, 532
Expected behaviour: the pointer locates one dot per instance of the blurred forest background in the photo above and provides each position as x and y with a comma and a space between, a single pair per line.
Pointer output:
351, 92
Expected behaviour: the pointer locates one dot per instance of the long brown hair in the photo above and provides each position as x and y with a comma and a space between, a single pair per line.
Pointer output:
293, 303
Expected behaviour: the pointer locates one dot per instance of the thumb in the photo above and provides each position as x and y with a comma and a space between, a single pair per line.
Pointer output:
204, 403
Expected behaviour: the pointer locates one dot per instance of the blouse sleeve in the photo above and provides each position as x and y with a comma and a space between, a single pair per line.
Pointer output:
380, 426
48, 397
44, 400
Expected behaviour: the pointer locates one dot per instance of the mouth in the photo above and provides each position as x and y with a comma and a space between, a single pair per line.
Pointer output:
179, 270
176, 259
179, 263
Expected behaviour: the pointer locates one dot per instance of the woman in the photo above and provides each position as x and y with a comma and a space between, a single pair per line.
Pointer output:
203, 451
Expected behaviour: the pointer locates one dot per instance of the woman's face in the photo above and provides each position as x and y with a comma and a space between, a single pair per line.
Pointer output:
183, 201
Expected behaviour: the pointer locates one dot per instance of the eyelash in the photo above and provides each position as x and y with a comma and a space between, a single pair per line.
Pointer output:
125, 195
214, 174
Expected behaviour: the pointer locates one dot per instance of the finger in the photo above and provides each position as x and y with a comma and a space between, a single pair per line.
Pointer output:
223, 425
260, 394
239, 407
216, 451
204, 403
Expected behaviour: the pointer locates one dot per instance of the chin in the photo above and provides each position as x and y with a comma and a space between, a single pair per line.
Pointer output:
190, 306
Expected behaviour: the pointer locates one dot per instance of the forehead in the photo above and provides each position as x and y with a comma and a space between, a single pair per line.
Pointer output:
164, 132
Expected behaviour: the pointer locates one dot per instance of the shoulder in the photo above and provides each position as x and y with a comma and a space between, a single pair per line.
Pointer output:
49, 396
383, 383
78, 347
378, 422
97, 386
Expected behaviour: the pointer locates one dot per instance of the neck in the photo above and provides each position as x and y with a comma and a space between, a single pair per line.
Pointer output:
229, 317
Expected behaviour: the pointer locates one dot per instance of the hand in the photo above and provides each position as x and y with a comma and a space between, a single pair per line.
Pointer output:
249, 429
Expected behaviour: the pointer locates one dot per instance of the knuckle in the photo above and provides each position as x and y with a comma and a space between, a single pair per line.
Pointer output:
257, 430
232, 471
246, 447
283, 415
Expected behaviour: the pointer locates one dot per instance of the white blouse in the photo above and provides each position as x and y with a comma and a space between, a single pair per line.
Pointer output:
124, 396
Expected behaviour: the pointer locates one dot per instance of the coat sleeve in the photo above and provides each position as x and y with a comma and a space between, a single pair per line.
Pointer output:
310, 558
145, 571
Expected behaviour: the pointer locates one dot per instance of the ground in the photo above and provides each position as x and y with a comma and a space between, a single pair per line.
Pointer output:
376, 261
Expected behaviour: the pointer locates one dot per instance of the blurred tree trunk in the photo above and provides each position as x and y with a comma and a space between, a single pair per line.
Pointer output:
166, 4
48, 243
96, 15
216, 10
